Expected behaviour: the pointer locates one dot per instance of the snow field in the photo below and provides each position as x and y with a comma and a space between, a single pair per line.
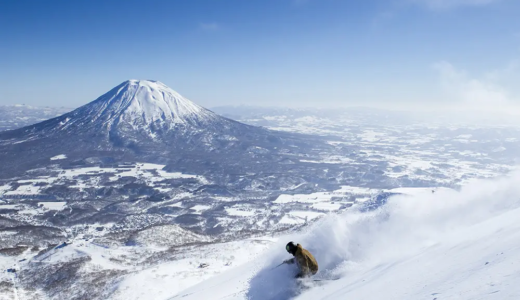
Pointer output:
233, 211
24, 190
53, 205
326, 197
152, 174
164, 280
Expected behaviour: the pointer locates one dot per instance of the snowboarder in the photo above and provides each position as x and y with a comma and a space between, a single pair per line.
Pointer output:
306, 263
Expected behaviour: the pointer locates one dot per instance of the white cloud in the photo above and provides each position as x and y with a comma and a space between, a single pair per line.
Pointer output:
447, 4
484, 93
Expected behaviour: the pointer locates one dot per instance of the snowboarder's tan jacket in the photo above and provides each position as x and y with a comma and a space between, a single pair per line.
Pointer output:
306, 262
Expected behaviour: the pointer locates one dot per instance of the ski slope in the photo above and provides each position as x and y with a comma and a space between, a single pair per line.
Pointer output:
444, 245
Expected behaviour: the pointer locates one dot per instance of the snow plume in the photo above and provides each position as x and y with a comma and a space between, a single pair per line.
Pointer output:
406, 226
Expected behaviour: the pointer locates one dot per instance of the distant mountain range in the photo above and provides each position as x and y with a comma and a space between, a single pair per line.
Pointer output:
16, 116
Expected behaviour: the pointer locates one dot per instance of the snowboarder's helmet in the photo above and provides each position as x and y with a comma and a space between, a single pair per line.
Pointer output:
290, 247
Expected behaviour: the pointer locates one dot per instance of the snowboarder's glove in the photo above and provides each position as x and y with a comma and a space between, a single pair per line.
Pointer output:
289, 261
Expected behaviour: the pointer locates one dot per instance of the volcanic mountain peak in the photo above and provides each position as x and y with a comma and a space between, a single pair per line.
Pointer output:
132, 110
146, 101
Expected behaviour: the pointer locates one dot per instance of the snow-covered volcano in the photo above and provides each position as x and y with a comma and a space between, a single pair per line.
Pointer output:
136, 106
134, 111
143, 103
144, 120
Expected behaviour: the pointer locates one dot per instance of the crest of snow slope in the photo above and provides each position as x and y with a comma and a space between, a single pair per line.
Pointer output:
444, 245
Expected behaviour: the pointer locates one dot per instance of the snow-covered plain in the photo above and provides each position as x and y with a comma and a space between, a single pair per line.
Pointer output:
446, 147
444, 245
152, 174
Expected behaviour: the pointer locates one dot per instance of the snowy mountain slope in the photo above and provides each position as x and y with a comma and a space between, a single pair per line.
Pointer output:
479, 262
159, 281
145, 102
443, 245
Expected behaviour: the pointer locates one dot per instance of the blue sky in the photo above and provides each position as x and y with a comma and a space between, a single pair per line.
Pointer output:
387, 53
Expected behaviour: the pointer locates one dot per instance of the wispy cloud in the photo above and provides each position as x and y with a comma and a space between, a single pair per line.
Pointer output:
477, 93
449, 4
209, 26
